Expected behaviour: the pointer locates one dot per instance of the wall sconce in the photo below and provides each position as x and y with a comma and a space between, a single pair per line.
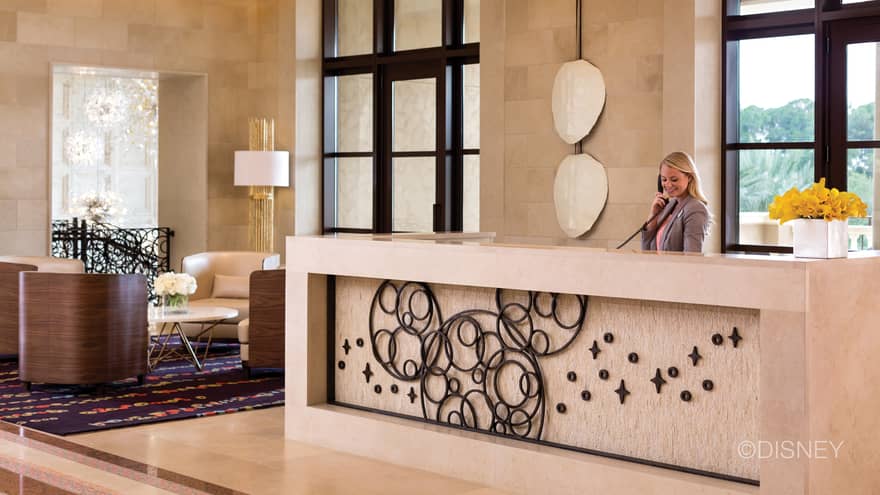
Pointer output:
262, 168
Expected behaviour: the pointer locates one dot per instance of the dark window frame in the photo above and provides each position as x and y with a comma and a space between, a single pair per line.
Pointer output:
829, 143
445, 63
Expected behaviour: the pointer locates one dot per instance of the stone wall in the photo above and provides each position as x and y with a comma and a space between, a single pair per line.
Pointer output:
656, 58
235, 43
660, 61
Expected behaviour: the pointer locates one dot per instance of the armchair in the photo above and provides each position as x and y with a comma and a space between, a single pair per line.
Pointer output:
9, 305
10, 267
79, 328
47, 263
223, 280
262, 335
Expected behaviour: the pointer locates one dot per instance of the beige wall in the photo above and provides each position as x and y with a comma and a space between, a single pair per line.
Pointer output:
660, 63
183, 175
301, 33
242, 46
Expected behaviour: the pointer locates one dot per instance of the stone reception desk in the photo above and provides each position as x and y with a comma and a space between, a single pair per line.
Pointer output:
544, 369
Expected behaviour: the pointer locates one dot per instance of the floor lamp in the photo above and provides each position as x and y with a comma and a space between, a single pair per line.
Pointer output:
262, 168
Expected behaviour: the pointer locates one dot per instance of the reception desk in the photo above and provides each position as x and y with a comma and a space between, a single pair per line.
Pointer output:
546, 369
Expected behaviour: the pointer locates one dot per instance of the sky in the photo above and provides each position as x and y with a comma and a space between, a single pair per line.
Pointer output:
775, 71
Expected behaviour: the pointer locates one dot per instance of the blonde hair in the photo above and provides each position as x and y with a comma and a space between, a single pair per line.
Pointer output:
683, 162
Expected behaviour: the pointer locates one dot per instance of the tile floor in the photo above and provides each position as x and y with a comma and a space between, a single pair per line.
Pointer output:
247, 452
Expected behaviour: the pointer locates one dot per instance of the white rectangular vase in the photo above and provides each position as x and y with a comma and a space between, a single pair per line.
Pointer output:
816, 238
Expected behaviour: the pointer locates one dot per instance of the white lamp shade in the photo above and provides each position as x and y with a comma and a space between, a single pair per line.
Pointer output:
262, 168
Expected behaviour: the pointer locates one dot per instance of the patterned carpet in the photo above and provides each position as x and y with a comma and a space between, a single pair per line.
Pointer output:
174, 390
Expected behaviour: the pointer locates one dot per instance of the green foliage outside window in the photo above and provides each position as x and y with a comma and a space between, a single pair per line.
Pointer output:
766, 173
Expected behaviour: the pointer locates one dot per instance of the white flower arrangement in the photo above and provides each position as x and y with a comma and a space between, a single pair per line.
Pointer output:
98, 208
175, 284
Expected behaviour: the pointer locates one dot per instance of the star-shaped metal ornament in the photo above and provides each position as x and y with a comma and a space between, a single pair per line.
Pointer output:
368, 373
695, 356
658, 380
595, 349
735, 337
622, 392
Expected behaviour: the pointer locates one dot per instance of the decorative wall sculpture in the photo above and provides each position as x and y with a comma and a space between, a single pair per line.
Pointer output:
467, 364
643, 381
578, 99
581, 186
579, 193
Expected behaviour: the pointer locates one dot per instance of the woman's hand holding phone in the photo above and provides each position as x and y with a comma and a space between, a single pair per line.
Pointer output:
659, 203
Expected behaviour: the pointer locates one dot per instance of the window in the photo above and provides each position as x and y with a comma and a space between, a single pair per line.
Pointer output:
401, 115
799, 104
105, 148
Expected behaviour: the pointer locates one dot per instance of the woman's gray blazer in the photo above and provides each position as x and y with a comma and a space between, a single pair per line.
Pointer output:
686, 231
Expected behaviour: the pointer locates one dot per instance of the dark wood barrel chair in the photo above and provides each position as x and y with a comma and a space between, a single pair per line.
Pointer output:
10, 267
9, 306
262, 335
82, 328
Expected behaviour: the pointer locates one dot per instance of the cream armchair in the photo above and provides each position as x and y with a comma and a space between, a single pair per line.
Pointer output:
223, 280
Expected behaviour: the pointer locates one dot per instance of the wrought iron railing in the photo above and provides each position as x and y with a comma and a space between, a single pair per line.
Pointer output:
104, 248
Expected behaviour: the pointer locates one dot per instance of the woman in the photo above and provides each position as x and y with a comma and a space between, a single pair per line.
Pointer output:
679, 215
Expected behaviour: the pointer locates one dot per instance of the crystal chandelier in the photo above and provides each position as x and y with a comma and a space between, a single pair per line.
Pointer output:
107, 108
144, 107
83, 148
101, 208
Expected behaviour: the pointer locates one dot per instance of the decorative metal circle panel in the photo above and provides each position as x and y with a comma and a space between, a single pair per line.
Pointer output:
477, 369
650, 381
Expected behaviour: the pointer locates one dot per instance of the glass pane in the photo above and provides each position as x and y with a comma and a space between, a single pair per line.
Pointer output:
747, 7
471, 111
414, 115
105, 146
763, 174
354, 113
417, 24
776, 89
413, 194
471, 194
854, 1
861, 91
861, 164
471, 29
354, 193
354, 26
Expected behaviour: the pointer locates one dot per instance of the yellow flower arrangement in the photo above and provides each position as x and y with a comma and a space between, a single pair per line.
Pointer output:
817, 201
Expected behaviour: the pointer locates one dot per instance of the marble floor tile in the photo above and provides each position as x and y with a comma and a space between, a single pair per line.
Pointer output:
247, 451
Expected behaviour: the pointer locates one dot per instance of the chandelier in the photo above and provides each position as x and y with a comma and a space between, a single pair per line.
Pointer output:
107, 108
144, 109
83, 148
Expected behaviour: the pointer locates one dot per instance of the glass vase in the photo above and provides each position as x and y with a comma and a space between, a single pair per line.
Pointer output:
175, 304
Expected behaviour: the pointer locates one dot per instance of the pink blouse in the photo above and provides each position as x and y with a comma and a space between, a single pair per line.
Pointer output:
660, 230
